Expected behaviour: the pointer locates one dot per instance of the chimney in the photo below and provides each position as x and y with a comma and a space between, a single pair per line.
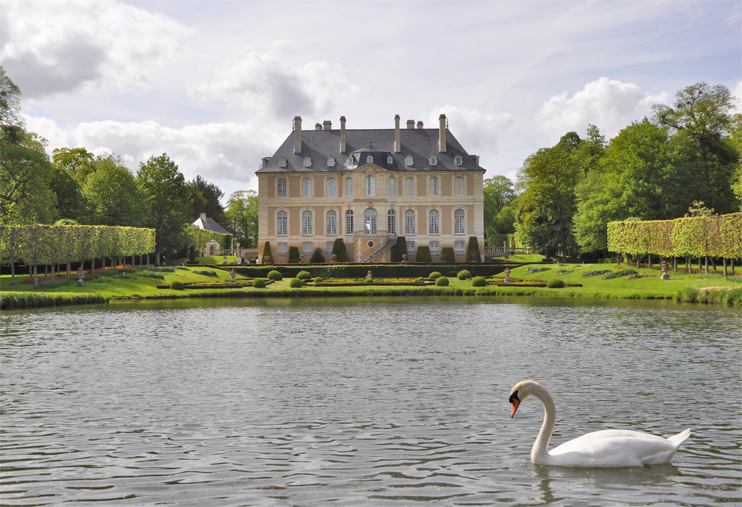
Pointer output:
297, 134
327, 125
419, 124
410, 124
342, 134
317, 126
397, 142
442, 133
203, 216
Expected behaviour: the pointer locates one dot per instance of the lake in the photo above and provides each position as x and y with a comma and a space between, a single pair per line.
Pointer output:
384, 401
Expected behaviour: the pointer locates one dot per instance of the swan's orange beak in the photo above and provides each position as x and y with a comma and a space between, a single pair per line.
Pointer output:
515, 402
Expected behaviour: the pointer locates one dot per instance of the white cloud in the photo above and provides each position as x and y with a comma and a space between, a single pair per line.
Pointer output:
610, 105
269, 87
57, 46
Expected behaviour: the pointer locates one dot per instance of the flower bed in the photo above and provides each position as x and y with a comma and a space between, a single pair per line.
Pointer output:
514, 282
217, 285
349, 282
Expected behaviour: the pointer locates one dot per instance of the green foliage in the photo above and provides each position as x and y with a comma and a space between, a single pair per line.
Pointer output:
620, 274
532, 269
319, 279
596, 272
339, 250
275, 275
158, 276
205, 197
434, 275
258, 283
400, 249
498, 194
463, 274
115, 196
478, 281
555, 283
242, 217
205, 272
162, 269
192, 252
295, 283
294, 256
423, 255
304, 275
442, 281
368, 280
200, 237
472, 250
267, 257
447, 254
176, 285
317, 256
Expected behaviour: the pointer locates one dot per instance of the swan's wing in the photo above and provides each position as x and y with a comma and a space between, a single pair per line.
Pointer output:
614, 448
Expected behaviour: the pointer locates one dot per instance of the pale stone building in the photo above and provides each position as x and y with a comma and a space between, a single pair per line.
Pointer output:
369, 186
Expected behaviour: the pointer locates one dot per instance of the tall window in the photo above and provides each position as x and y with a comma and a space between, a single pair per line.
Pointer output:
306, 223
348, 187
306, 187
458, 222
409, 223
282, 224
409, 187
391, 222
369, 220
281, 187
370, 186
307, 247
331, 187
435, 247
433, 187
458, 186
410, 248
458, 247
349, 222
391, 187
283, 247
434, 222
332, 223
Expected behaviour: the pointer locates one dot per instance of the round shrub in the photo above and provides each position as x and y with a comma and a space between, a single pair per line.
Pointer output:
478, 281
434, 275
556, 283
442, 281
275, 275
258, 283
464, 274
419, 279
295, 283
304, 275
368, 280
176, 285
318, 279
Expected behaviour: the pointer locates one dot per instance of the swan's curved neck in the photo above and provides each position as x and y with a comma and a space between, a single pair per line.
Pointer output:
540, 450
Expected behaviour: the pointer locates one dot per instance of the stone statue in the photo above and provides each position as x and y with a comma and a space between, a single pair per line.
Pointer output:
665, 275
507, 274
80, 276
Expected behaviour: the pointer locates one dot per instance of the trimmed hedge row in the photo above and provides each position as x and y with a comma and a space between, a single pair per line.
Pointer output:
378, 270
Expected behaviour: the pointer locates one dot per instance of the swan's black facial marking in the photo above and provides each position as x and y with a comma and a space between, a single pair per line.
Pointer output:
515, 401
514, 396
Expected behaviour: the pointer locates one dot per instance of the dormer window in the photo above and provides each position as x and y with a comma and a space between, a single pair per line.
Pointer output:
408, 160
433, 160
389, 159
370, 159
282, 162
458, 160
350, 159
307, 162
331, 162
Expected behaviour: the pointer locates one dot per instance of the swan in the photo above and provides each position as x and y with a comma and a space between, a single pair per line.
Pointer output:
600, 449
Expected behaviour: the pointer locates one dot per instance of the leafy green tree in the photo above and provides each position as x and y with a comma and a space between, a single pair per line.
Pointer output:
10, 101
114, 195
167, 197
498, 193
205, 198
76, 161
242, 217
71, 202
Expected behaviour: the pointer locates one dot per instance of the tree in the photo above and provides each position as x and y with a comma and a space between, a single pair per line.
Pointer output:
114, 195
205, 198
71, 202
701, 119
76, 161
498, 193
10, 102
167, 196
242, 217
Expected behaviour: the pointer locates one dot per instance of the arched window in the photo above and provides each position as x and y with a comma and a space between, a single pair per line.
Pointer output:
282, 224
409, 187
391, 222
349, 222
282, 162
434, 222
433, 187
458, 186
281, 187
306, 187
369, 221
408, 160
331, 187
307, 162
433, 160
458, 160
331, 162
370, 186
332, 223
306, 223
391, 187
370, 159
348, 187
458, 222
389, 159
409, 223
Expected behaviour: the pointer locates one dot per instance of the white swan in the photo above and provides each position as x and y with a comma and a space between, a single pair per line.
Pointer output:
600, 449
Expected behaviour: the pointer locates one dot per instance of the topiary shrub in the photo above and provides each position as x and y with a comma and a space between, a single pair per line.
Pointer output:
319, 279
419, 279
294, 256
434, 275
478, 281
176, 285
267, 253
258, 283
339, 250
447, 254
442, 281
368, 280
295, 283
556, 283
464, 274
400, 249
191, 252
472, 250
423, 255
304, 275
275, 275
317, 256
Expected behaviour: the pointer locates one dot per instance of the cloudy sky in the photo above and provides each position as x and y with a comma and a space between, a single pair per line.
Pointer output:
215, 84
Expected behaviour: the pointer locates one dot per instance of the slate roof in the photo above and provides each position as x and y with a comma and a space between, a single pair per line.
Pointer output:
319, 145
210, 225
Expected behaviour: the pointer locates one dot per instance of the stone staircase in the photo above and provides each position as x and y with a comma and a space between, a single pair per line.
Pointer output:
390, 242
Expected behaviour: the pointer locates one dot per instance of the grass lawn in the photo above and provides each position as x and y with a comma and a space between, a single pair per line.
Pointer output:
108, 285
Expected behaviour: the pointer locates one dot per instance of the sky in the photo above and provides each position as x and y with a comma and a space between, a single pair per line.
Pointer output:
216, 84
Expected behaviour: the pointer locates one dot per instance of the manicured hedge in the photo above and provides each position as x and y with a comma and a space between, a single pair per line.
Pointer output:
377, 270
472, 250
200, 237
463, 274
442, 281
339, 250
304, 275
267, 254
317, 256
259, 283
478, 281
294, 256
435, 274
274, 275
399, 249
555, 283
295, 283
423, 254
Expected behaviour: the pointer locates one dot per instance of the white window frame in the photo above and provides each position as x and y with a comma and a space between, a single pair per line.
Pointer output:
458, 160
370, 159
409, 161
458, 186
434, 187
307, 223
370, 220
370, 186
459, 221
409, 187
391, 187
435, 247
391, 221
331, 186
349, 186
282, 229
330, 245
331, 162
282, 247
433, 160
306, 187
434, 222
332, 223
410, 248
390, 160
349, 222
409, 222
282, 162
459, 247
282, 190
307, 247
307, 162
